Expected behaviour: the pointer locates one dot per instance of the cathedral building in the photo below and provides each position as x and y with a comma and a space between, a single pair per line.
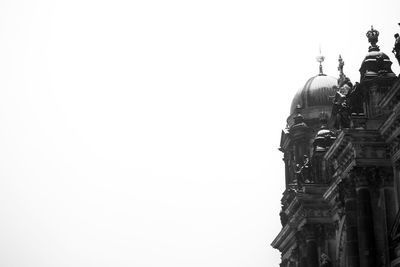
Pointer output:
341, 150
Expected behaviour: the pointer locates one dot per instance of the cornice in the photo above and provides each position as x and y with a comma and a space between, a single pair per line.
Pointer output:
333, 189
390, 129
286, 235
391, 96
395, 151
335, 145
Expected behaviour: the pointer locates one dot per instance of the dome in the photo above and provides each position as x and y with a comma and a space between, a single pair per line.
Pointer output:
376, 64
316, 93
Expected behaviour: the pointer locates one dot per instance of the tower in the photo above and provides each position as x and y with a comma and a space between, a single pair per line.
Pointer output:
305, 214
342, 152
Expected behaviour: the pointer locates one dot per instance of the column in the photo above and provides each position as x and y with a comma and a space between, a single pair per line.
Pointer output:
312, 247
350, 206
388, 200
366, 238
302, 252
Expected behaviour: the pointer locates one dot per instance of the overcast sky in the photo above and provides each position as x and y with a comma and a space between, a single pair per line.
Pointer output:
146, 133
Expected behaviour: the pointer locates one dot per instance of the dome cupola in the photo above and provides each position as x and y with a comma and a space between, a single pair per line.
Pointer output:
316, 95
375, 63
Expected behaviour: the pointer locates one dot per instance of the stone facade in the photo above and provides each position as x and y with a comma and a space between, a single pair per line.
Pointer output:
342, 168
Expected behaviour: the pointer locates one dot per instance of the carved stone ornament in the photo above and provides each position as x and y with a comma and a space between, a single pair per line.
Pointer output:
325, 261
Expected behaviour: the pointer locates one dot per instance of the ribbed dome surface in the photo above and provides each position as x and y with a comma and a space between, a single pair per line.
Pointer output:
315, 92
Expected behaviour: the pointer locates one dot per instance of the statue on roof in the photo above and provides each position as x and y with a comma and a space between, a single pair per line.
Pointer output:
396, 48
349, 98
341, 110
303, 171
355, 98
341, 65
344, 82
342, 77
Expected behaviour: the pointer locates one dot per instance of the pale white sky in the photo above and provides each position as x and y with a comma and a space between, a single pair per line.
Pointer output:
146, 133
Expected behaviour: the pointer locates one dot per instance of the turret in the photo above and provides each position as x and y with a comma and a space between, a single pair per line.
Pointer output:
376, 76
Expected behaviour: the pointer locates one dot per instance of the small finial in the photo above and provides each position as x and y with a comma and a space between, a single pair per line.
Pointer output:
372, 36
298, 118
298, 109
320, 58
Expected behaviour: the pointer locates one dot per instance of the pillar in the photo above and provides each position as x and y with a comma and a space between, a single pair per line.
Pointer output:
350, 206
365, 227
312, 246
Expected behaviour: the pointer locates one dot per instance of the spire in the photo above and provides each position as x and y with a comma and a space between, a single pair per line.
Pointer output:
372, 36
320, 58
